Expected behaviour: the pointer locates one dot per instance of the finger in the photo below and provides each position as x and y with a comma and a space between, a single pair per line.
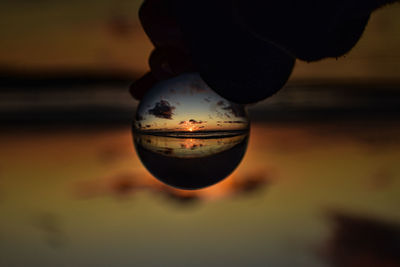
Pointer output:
139, 88
167, 62
245, 78
233, 62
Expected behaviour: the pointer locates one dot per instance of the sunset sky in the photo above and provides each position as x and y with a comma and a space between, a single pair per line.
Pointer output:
186, 103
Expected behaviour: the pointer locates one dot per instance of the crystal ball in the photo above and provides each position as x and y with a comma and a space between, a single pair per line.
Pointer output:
188, 136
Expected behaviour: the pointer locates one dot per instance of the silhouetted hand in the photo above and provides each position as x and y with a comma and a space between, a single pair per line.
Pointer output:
245, 50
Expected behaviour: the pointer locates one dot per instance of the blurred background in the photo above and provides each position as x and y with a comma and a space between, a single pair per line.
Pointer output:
319, 186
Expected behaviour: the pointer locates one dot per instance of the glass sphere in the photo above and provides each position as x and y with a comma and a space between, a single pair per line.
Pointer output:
188, 136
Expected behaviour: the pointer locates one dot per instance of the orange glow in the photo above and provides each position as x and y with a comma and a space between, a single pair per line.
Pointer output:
189, 126
191, 143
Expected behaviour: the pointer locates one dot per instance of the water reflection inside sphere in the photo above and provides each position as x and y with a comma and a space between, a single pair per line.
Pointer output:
187, 136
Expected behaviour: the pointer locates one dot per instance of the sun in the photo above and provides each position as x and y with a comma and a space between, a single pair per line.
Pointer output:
188, 126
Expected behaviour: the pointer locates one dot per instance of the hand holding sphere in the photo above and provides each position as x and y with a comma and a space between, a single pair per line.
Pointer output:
244, 51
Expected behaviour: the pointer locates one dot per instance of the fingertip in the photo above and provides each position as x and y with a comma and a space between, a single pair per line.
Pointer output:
168, 62
139, 88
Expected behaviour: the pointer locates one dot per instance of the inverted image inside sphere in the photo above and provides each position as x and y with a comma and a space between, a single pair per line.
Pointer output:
194, 172
186, 104
188, 136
